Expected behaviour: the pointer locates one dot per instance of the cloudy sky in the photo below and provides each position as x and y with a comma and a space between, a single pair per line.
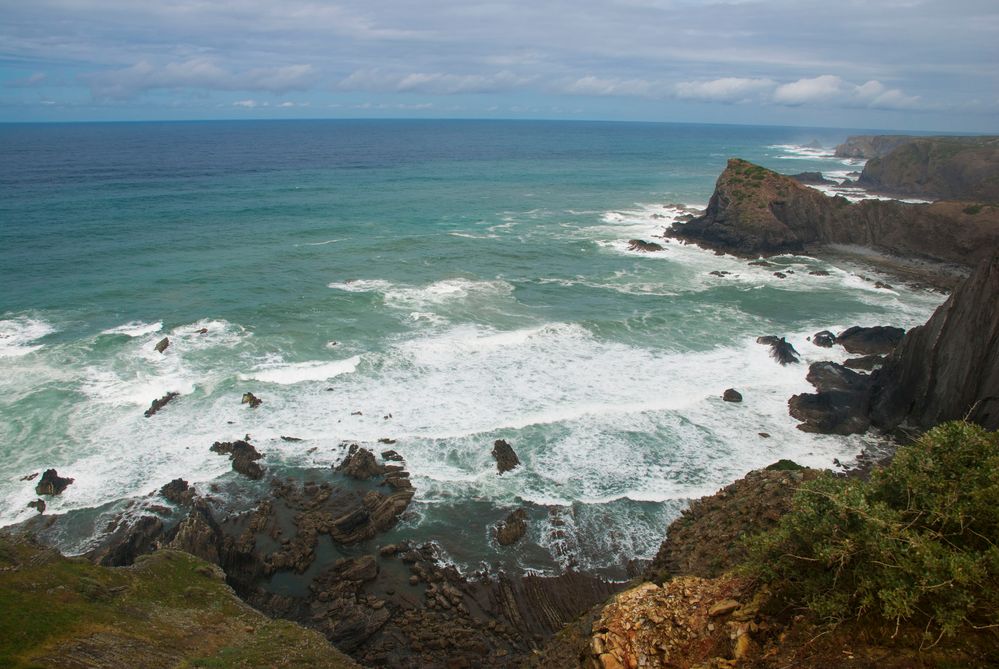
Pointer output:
905, 64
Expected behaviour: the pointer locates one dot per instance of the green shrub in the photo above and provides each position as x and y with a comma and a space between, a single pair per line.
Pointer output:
917, 542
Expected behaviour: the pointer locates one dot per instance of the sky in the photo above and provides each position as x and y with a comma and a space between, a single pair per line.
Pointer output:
881, 64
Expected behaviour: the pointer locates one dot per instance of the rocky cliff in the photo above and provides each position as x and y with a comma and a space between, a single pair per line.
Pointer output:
954, 168
870, 146
949, 368
755, 211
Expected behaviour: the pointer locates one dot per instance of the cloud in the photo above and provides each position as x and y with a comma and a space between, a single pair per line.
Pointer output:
602, 86
437, 83
35, 79
197, 73
726, 89
832, 90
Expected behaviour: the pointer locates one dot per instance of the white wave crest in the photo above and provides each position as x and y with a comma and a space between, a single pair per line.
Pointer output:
18, 334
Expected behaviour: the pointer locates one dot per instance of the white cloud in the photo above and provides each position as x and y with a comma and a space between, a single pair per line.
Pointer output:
601, 86
803, 91
197, 73
832, 90
726, 89
249, 104
438, 83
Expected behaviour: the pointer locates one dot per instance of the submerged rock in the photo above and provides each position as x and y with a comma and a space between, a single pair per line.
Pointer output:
825, 339
162, 344
732, 395
780, 349
506, 459
252, 400
160, 403
51, 483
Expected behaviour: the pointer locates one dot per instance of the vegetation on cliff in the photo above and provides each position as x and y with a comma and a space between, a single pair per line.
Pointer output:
168, 610
916, 543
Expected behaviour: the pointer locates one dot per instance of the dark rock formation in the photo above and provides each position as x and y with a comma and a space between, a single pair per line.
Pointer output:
825, 339
511, 530
706, 540
243, 456
178, 491
780, 349
643, 246
880, 339
291, 440
755, 211
839, 407
51, 483
813, 178
953, 168
199, 534
360, 464
128, 541
870, 146
866, 362
38, 505
162, 344
506, 459
732, 395
392, 456
160, 403
252, 400
948, 368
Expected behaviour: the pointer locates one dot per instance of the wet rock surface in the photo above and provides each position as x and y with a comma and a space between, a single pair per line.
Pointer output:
732, 395
160, 403
51, 483
162, 345
243, 456
506, 458
360, 464
781, 350
643, 246
511, 530
840, 405
876, 340
252, 400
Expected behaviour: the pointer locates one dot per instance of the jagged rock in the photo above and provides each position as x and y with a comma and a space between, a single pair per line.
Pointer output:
780, 275
30, 477
243, 456
719, 272
199, 534
392, 456
812, 178
818, 272
162, 344
360, 464
879, 339
723, 607
841, 404
866, 362
160, 403
128, 542
882, 285
643, 246
870, 146
760, 263
825, 339
291, 440
252, 400
511, 530
51, 483
178, 491
732, 395
506, 458
780, 349
947, 369
202, 331
386, 440
38, 505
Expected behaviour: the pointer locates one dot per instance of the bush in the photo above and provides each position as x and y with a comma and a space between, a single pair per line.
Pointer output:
917, 542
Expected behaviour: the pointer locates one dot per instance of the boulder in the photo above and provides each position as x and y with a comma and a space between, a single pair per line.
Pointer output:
879, 339
506, 459
178, 491
732, 395
51, 483
643, 246
252, 400
360, 464
841, 404
866, 362
160, 403
511, 530
825, 339
38, 505
162, 344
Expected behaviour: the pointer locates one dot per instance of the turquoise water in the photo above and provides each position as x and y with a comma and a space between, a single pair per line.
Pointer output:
454, 282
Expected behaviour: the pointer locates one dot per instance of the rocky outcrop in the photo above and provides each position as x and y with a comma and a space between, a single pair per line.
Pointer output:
755, 211
781, 350
511, 530
870, 146
841, 404
506, 458
360, 464
51, 483
252, 400
706, 539
876, 340
952, 168
243, 456
162, 344
160, 403
643, 246
732, 395
812, 178
178, 491
948, 368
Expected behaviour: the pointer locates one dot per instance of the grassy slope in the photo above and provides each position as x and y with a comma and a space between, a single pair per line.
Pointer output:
169, 610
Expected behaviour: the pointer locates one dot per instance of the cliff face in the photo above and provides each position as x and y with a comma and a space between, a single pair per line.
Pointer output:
869, 146
755, 211
956, 168
948, 368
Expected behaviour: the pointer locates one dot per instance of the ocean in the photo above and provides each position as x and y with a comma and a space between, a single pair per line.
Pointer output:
439, 283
